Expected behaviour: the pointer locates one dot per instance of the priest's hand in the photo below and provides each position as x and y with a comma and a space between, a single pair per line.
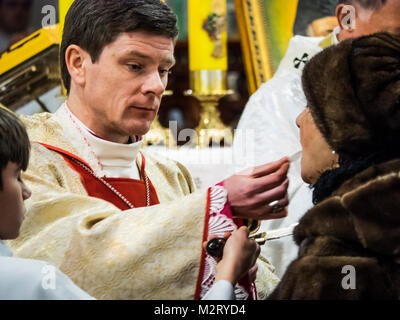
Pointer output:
260, 193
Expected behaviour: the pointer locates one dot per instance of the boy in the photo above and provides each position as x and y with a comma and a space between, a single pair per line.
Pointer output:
22, 279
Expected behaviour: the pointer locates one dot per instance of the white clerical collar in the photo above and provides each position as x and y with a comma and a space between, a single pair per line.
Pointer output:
336, 35
110, 154
4, 251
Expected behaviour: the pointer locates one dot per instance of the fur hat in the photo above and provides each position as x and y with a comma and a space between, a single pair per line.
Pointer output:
353, 92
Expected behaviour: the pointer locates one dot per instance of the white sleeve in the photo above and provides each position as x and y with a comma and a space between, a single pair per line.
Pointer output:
25, 279
64, 290
222, 290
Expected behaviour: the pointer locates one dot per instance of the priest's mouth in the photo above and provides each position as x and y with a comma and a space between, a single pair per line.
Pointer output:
144, 109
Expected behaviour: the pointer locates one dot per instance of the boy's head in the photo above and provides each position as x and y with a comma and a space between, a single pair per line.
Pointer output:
14, 157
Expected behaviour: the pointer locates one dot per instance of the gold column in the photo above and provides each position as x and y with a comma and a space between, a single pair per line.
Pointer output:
208, 63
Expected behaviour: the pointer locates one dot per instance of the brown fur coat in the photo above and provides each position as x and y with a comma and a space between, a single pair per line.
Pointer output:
359, 225
353, 92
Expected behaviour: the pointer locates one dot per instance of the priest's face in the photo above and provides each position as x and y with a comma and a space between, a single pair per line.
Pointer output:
317, 156
120, 94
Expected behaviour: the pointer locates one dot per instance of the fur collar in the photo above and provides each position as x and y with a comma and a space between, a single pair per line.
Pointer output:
363, 212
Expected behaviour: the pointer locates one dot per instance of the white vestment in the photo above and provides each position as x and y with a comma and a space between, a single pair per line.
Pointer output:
26, 279
267, 131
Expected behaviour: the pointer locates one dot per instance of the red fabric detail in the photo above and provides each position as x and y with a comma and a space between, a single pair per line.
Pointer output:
203, 252
133, 190
227, 211
244, 282
63, 152
143, 172
255, 294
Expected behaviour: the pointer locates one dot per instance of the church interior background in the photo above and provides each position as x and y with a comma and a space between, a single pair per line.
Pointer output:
253, 35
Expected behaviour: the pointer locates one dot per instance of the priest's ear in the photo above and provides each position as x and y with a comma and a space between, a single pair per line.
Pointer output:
76, 60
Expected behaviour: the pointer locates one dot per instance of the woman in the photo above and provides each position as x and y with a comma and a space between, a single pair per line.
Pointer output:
350, 132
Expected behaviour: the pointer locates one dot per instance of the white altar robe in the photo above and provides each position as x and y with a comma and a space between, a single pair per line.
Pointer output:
26, 279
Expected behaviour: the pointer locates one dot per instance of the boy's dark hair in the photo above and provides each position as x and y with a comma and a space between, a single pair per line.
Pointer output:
366, 4
93, 24
14, 141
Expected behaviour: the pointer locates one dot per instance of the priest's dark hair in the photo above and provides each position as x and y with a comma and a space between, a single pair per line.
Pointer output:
93, 24
366, 4
14, 141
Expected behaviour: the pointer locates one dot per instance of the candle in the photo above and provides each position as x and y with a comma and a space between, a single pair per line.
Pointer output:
64, 6
207, 35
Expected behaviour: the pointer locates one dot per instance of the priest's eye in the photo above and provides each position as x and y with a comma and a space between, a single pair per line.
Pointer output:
165, 72
135, 67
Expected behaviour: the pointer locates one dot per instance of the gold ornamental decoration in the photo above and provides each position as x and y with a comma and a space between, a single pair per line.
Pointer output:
214, 25
208, 64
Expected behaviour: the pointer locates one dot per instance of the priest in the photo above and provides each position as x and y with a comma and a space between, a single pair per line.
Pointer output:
121, 221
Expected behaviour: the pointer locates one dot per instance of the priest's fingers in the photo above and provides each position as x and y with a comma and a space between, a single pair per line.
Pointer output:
267, 214
244, 191
274, 210
257, 206
272, 180
270, 195
269, 168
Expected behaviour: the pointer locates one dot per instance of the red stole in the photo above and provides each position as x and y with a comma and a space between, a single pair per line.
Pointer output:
133, 190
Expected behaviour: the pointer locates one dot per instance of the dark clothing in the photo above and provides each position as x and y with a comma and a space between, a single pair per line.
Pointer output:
357, 226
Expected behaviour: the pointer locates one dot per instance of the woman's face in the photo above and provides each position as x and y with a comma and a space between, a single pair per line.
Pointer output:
317, 155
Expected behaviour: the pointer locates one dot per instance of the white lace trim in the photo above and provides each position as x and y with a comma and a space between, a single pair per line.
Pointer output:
218, 224
218, 199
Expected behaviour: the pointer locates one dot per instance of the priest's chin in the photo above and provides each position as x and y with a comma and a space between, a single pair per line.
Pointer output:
139, 127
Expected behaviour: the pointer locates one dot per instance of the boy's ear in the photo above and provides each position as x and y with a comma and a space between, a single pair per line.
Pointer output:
75, 59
